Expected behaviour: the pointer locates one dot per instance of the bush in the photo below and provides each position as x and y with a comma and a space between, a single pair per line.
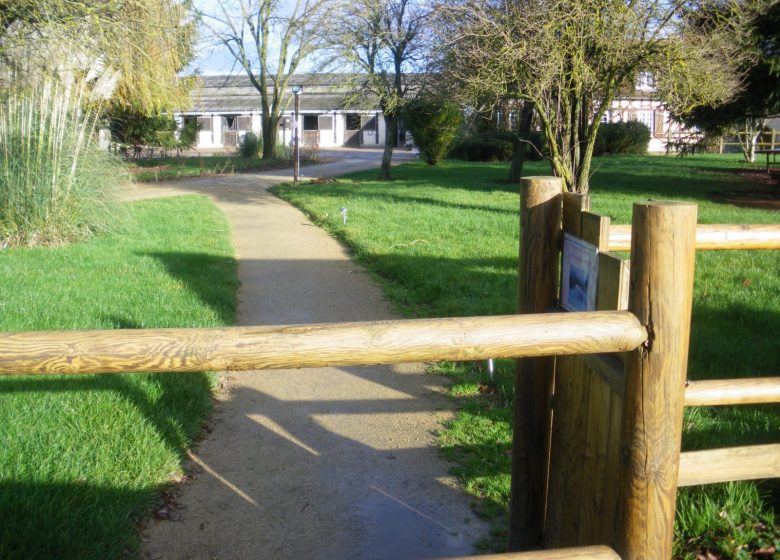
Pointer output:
433, 124
537, 150
250, 145
56, 184
498, 146
490, 146
630, 137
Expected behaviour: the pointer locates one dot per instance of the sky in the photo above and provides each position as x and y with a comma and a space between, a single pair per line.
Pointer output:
212, 58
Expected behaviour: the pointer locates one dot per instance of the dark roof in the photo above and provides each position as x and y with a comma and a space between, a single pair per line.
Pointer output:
321, 92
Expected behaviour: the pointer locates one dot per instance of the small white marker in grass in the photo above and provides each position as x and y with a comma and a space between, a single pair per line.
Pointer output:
344, 215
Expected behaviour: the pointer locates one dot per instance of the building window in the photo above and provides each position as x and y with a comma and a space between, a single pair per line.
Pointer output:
310, 122
605, 117
244, 123
353, 121
645, 81
204, 124
647, 118
325, 122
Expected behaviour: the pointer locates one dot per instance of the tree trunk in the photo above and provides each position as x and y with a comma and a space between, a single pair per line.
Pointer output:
391, 131
520, 147
270, 125
753, 130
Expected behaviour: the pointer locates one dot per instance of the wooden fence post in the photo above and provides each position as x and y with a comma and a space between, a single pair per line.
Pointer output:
661, 292
540, 227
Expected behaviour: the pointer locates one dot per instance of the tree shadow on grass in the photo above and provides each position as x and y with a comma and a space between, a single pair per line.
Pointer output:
81, 519
205, 276
47, 520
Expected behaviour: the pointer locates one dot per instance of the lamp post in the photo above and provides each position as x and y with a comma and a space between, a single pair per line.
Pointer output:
297, 90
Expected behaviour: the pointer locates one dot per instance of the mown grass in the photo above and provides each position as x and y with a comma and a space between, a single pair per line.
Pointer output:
443, 242
82, 457
167, 168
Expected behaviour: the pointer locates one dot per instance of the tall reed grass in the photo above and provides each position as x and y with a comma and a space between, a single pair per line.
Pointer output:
56, 185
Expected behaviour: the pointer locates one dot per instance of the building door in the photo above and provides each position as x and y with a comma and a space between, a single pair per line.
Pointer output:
352, 134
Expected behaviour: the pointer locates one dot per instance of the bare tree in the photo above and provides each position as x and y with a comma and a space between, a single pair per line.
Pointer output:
385, 43
269, 45
571, 58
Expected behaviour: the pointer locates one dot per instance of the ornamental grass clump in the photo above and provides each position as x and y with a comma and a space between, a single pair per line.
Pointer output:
56, 185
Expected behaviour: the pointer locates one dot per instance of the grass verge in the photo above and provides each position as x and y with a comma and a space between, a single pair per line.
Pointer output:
443, 242
167, 168
82, 457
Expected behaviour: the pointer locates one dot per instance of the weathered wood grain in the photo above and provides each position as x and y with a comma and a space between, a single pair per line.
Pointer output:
613, 280
594, 488
595, 230
570, 410
713, 237
661, 295
538, 271
580, 553
734, 463
756, 390
574, 204
613, 469
297, 346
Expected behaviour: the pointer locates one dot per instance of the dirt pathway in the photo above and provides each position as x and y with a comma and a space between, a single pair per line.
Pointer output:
335, 463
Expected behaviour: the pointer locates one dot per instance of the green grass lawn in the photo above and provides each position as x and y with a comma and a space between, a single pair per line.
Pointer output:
444, 242
82, 457
167, 168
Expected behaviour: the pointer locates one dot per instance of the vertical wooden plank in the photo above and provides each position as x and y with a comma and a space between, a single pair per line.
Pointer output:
540, 226
663, 250
595, 230
612, 469
612, 290
580, 458
594, 467
568, 445
574, 204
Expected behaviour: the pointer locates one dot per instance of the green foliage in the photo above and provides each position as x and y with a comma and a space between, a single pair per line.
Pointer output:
434, 124
188, 135
498, 146
133, 50
56, 185
250, 146
83, 457
489, 146
448, 247
622, 138
135, 130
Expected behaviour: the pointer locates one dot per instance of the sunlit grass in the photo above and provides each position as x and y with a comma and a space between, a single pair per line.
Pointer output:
443, 242
82, 457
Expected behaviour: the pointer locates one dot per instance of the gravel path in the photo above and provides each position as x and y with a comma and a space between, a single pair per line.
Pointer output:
335, 463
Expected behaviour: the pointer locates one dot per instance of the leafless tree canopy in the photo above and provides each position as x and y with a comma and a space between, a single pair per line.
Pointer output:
386, 45
269, 45
570, 58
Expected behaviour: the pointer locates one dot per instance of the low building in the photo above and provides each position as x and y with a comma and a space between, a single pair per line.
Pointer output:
331, 114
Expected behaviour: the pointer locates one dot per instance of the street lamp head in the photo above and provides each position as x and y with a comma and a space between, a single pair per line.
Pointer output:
296, 89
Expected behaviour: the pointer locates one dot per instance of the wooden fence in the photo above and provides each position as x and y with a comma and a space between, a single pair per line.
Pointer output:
596, 451
599, 394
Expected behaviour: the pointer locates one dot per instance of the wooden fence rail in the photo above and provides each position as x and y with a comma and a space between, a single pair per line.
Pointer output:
714, 392
713, 237
578, 553
749, 462
297, 346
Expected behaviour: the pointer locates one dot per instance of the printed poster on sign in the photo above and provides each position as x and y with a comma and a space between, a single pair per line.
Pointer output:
580, 274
